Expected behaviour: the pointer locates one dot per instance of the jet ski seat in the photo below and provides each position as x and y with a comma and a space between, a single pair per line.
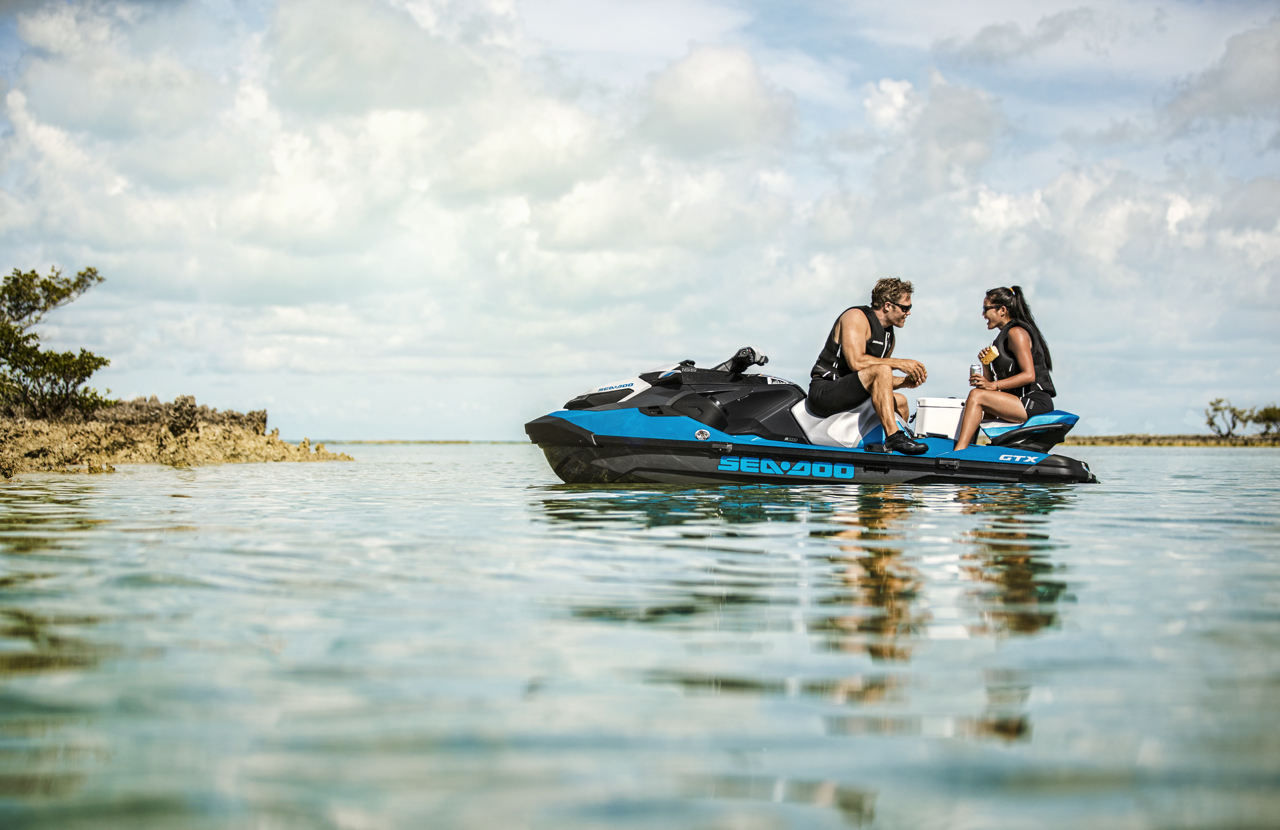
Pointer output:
995, 427
861, 426
1039, 433
855, 428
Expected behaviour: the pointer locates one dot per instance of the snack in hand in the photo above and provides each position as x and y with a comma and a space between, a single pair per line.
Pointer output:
988, 354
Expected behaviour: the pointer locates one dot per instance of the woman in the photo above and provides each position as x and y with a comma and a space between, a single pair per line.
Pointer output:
1016, 385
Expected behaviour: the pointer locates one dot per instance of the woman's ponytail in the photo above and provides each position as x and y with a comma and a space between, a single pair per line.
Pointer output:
1019, 310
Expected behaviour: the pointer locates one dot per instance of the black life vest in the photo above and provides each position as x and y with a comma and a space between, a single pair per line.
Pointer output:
833, 365
1006, 365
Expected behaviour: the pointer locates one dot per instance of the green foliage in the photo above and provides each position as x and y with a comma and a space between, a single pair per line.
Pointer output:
1222, 418
1268, 417
26, 297
34, 382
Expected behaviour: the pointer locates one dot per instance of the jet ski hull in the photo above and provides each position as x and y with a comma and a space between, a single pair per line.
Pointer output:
624, 446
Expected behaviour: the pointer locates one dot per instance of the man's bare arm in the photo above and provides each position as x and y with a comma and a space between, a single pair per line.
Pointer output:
854, 333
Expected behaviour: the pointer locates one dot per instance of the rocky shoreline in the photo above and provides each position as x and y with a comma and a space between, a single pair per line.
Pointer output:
179, 434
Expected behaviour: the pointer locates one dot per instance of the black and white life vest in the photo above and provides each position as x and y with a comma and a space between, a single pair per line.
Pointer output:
1006, 365
833, 365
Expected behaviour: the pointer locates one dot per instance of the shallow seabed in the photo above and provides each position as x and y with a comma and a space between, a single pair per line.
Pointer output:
439, 636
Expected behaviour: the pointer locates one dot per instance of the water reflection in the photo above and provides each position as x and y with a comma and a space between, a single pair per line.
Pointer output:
882, 586
1010, 558
31, 643
36, 521
43, 523
846, 691
878, 584
1004, 728
856, 806
584, 507
41, 757
727, 520
34, 767
862, 591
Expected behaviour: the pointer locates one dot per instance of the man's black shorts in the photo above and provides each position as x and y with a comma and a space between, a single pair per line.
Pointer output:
827, 397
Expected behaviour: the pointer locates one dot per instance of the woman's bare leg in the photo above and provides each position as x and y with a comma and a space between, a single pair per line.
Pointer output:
984, 402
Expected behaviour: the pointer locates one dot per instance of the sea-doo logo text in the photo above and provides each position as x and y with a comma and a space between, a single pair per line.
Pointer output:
619, 386
815, 469
1025, 459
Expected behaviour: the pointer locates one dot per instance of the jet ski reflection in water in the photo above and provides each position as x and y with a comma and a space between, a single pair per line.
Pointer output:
682, 424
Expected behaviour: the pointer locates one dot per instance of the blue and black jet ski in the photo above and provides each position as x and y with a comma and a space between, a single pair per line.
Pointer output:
681, 424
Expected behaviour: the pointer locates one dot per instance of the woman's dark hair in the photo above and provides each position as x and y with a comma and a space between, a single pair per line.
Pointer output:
1014, 300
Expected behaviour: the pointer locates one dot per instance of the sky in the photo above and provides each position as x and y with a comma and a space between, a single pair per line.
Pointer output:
440, 219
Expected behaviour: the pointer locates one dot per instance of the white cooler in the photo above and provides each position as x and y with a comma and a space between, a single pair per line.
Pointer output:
939, 417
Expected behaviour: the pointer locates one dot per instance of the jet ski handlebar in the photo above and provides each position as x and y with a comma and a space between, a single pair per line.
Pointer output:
740, 362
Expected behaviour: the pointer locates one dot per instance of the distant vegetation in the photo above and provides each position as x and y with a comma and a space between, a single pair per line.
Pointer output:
1223, 419
35, 383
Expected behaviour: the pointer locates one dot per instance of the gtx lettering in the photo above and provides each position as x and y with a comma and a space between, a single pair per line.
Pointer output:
771, 466
1024, 459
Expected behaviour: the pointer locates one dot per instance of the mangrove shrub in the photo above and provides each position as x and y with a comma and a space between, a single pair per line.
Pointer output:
1224, 419
36, 383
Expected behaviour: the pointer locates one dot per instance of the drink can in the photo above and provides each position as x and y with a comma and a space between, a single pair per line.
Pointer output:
975, 369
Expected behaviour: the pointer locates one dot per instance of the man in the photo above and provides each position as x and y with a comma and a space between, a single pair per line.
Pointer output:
856, 364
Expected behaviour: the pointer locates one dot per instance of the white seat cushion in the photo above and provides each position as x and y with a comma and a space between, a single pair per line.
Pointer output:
844, 429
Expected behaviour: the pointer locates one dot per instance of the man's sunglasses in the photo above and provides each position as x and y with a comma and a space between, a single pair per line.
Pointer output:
906, 309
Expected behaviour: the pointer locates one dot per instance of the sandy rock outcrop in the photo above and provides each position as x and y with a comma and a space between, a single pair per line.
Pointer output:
180, 416
179, 434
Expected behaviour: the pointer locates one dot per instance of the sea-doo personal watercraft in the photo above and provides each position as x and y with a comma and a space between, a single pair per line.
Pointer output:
681, 424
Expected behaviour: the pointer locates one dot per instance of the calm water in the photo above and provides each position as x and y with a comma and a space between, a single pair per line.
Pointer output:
439, 636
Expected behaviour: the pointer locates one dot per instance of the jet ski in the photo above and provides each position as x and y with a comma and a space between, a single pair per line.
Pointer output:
682, 424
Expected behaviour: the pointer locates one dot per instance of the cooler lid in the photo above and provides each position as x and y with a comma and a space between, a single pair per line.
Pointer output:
939, 403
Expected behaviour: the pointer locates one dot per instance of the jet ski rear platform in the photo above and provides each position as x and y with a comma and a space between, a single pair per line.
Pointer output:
686, 425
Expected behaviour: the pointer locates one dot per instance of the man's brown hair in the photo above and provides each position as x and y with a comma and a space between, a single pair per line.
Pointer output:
890, 290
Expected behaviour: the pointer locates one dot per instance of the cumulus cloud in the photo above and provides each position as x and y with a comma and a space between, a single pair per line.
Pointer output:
715, 99
533, 144
623, 27
352, 56
658, 205
948, 134
1240, 87
88, 84
1254, 207
1004, 42
891, 103
1244, 83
